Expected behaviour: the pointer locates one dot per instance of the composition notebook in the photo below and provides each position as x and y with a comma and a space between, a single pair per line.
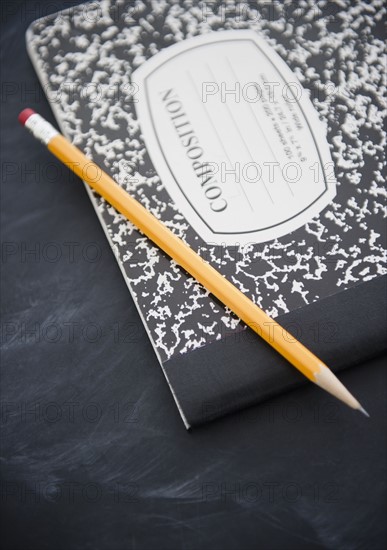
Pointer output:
254, 131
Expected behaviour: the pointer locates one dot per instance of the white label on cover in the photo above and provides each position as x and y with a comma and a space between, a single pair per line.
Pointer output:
234, 137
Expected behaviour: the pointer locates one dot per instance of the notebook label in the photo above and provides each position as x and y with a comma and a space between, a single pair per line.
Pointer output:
234, 137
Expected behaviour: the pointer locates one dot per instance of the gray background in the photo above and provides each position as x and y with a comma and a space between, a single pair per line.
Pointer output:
94, 453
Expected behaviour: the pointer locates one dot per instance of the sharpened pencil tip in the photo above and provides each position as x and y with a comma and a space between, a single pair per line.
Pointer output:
364, 412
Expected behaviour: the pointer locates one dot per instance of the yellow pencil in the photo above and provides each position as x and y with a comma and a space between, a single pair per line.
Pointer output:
297, 354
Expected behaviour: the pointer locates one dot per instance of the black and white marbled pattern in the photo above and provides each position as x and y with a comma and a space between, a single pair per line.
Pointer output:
337, 52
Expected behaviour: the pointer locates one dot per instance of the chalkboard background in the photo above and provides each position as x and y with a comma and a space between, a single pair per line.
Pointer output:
94, 453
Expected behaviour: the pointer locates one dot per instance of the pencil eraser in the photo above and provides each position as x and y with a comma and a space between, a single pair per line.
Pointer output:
25, 115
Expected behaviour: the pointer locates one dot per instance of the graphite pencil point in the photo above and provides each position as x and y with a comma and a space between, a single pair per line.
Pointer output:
364, 412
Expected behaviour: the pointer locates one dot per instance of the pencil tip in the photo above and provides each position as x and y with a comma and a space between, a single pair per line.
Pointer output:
364, 412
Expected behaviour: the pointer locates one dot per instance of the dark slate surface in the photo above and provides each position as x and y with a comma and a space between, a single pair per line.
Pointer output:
94, 453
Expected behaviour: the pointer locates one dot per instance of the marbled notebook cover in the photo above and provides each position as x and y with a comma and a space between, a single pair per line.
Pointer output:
329, 47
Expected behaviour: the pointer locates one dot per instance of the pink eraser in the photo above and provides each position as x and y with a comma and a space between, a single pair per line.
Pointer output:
25, 115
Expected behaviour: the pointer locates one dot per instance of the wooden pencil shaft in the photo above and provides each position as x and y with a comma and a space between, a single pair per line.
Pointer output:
186, 257
218, 285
